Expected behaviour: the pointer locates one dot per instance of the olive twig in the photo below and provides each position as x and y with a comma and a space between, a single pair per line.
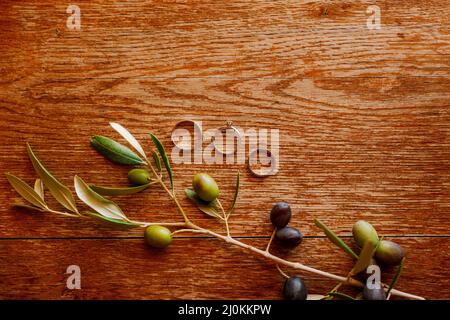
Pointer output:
284, 274
62, 213
171, 194
167, 224
225, 217
186, 230
271, 239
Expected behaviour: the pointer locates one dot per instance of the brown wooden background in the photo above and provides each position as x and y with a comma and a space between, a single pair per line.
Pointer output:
363, 115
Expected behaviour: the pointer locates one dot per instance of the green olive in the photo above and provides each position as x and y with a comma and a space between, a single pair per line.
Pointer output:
158, 236
363, 231
389, 253
205, 187
139, 176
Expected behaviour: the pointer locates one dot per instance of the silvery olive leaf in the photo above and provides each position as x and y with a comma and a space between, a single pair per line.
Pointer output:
26, 191
26, 206
364, 259
119, 191
210, 208
118, 222
115, 151
164, 158
129, 137
59, 191
39, 188
335, 239
101, 205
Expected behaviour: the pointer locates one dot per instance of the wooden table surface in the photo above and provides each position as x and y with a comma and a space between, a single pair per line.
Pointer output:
364, 120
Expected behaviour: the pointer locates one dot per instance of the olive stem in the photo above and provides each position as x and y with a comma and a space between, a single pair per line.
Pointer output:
171, 194
295, 265
271, 239
186, 230
62, 213
167, 224
284, 274
225, 218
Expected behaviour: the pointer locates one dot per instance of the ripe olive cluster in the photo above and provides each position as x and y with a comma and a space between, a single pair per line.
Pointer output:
289, 237
387, 253
280, 215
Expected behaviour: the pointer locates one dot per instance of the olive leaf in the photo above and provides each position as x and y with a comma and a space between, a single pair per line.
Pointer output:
118, 191
39, 188
129, 137
396, 276
210, 208
101, 205
164, 158
119, 222
335, 239
115, 151
315, 297
365, 257
26, 191
236, 192
22, 205
157, 161
341, 295
59, 191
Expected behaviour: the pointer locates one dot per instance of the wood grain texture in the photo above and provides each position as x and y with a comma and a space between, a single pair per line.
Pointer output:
363, 115
212, 270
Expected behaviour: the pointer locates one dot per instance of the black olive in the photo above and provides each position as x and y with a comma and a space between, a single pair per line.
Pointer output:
289, 237
280, 214
295, 289
374, 294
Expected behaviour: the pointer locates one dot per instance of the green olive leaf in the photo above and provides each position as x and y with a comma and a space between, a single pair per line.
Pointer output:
26, 191
396, 276
236, 192
39, 188
101, 205
335, 239
118, 222
341, 295
22, 205
210, 208
164, 158
129, 137
119, 191
157, 161
59, 191
364, 259
115, 151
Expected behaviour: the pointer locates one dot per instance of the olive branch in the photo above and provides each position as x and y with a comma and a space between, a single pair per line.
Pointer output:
106, 210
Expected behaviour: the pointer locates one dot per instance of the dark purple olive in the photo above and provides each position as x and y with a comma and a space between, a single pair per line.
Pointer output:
295, 289
281, 214
289, 237
374, 294
389, 253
